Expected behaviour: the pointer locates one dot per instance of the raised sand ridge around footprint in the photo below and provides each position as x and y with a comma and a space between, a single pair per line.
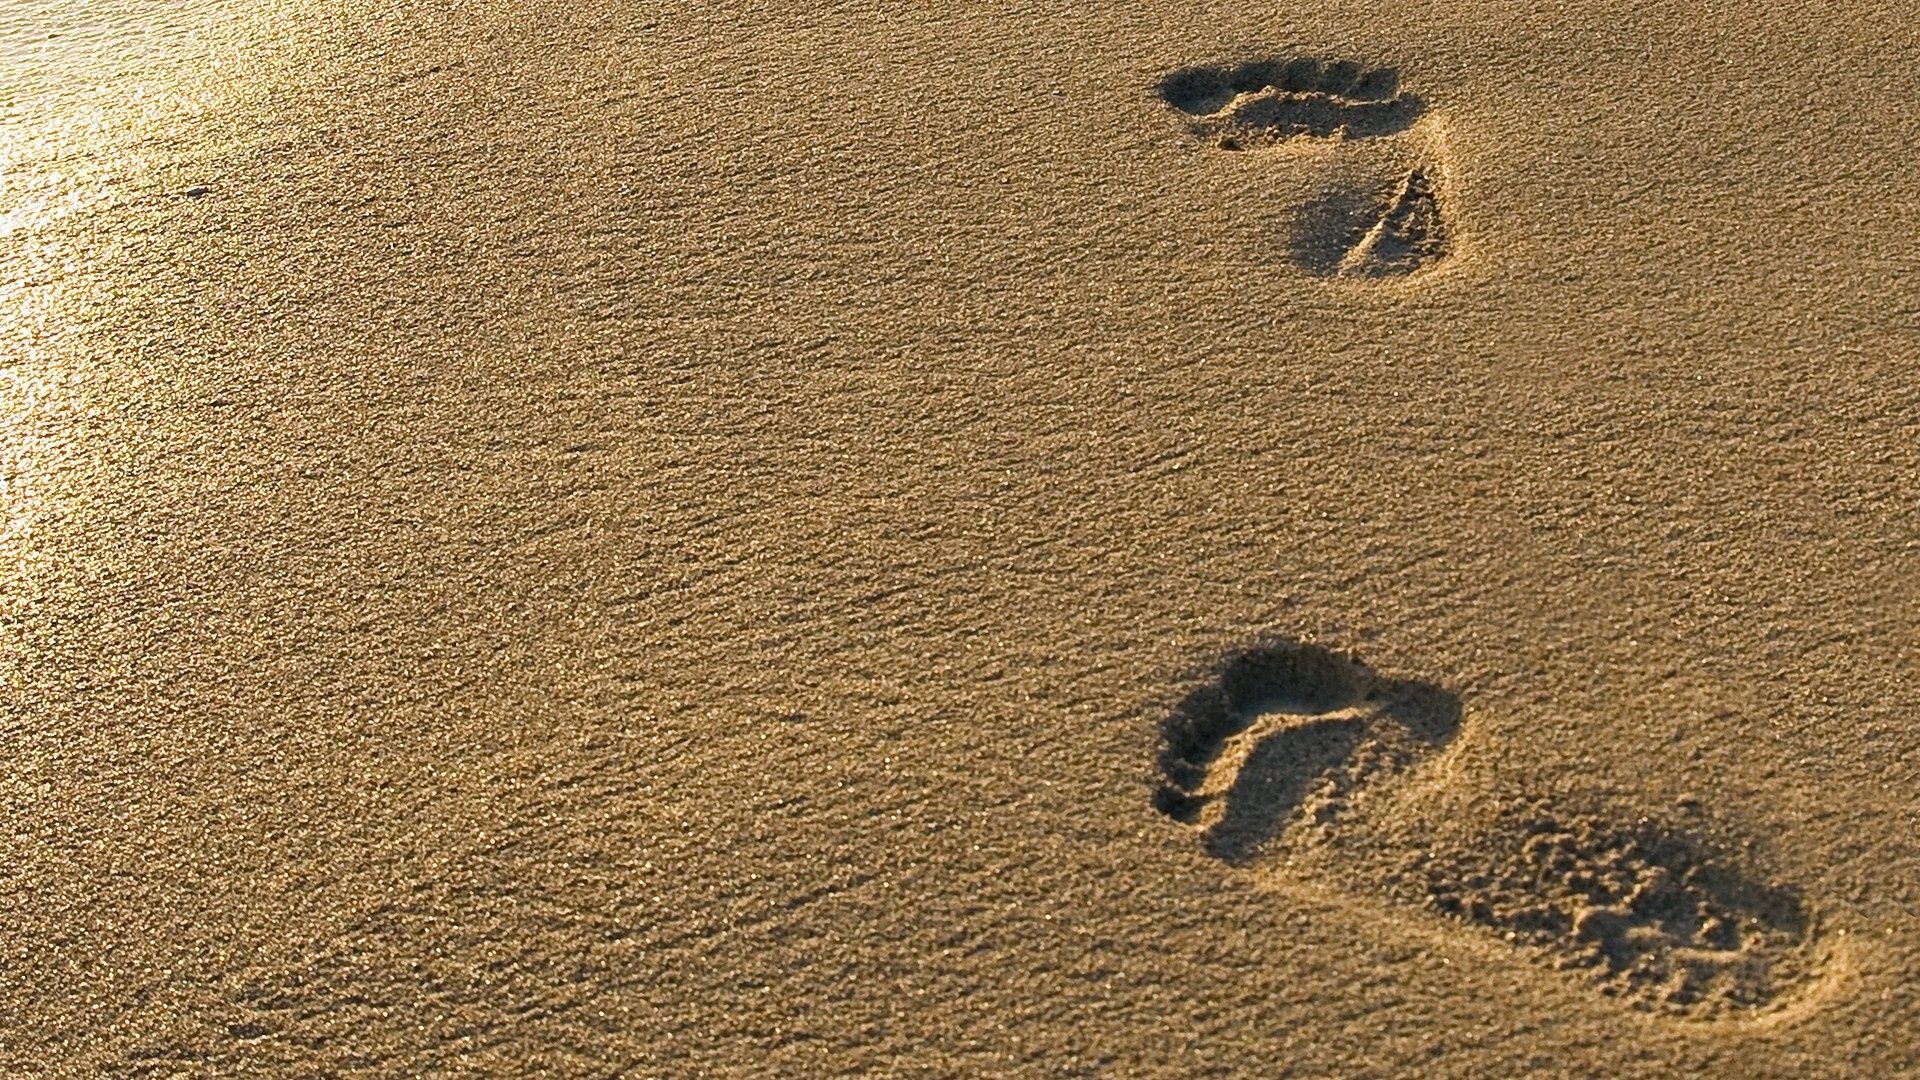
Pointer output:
1292, 756
1363, 226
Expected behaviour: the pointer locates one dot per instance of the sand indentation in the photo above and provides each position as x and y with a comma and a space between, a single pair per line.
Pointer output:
1294, 756
1649, 914
1289, 731
1384, 216
1272, 100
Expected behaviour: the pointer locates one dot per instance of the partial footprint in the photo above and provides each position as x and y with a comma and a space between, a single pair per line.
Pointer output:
1392, 233
1651, 916
1268, 101
1289, 731
1368, 223
1293, 756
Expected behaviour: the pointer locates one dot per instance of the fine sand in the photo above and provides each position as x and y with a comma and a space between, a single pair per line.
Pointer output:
989, 538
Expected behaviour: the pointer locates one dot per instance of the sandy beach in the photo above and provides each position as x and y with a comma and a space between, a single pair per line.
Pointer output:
1008, 538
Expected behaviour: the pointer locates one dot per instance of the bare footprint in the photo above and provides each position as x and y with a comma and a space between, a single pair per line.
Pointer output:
1293, 758
1649, 914
1392, 233
1272, 100
1289, 731
1378, 218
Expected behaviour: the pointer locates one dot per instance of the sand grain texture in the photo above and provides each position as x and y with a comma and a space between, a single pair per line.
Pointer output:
674, 539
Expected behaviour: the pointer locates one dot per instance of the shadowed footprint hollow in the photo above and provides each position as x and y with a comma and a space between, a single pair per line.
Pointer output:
1272, 100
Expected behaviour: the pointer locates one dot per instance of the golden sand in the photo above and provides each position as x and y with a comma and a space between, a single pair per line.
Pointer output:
962, 539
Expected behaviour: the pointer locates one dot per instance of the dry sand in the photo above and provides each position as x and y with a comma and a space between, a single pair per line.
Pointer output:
963, 539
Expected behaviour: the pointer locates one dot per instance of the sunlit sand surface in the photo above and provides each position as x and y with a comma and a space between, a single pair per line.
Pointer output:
965, 538
88, 86
97, 100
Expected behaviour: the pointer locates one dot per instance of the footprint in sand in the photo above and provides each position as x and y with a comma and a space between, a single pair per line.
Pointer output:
1294, 758
1381, 214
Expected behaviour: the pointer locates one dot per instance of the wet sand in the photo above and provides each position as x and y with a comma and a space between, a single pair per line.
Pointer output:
987, 539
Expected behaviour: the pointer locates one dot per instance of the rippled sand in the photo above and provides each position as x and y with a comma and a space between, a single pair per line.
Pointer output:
981, 539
